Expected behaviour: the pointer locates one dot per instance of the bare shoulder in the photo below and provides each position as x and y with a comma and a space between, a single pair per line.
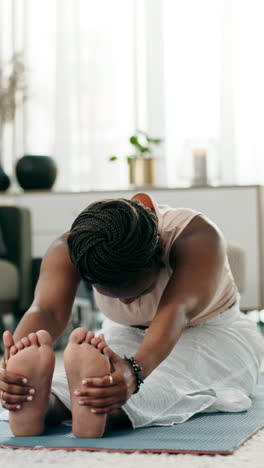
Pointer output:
59, 247
200, 236
58, 279
57, 258
145, 199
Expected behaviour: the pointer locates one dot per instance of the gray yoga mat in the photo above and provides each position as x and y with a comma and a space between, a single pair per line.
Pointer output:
208, 433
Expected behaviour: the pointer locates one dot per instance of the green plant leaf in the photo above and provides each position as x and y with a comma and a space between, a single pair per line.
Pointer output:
145, 149
133, 140
155, 141
112, 158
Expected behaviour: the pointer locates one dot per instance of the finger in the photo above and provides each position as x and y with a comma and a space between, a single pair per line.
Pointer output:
11, 378
99, 392
17, 390
96, 403
16, 399
8, 341
104, 410
11, 407
105, 381
3, 363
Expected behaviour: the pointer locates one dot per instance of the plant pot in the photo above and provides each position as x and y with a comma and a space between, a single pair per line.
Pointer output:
142, 171
4, 180
36, 172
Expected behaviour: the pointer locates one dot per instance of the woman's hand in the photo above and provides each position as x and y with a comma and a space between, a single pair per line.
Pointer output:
13, 387
103, 394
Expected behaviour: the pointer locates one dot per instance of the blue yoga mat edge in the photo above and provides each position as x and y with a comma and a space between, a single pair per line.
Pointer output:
204, 433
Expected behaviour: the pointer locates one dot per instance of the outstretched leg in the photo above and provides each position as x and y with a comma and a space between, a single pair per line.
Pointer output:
36, 360
81, 360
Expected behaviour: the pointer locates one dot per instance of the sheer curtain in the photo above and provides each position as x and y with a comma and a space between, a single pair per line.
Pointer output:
189, 71
214, 93
94, 93
80, 56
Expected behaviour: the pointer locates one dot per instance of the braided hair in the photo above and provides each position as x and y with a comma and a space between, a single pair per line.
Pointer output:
113, 241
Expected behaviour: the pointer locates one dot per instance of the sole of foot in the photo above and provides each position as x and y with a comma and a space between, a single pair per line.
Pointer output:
36, 361
82, 360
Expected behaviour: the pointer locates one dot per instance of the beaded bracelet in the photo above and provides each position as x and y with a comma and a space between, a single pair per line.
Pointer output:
137, 371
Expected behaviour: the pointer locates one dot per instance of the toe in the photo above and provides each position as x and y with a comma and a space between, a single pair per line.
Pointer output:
44, 337
25, 341
89, 337
101, 345
19, 345
78, 335
95, 341
33, 339
13, 350
102, 338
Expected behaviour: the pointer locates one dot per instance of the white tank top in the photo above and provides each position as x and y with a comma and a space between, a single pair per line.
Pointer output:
171, 223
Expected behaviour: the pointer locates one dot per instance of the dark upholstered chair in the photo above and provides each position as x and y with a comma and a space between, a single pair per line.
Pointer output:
15, 262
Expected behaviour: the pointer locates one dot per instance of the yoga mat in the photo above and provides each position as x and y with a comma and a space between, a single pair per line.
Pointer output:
204, 433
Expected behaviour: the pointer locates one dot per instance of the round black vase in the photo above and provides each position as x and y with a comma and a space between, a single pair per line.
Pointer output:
36, 172
4, 181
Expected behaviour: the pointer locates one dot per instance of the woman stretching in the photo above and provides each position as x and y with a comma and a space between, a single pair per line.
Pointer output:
174, 342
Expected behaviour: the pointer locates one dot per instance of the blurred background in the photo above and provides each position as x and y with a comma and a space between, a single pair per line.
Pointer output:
102, 98
190, 72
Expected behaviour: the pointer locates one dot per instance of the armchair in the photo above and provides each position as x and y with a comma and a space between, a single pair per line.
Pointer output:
16, 262
237, 261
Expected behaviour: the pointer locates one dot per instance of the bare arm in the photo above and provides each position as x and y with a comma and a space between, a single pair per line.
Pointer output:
198, 257
54, 294
50, 310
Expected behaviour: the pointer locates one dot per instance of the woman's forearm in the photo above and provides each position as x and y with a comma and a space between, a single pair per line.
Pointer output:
35, 319
160, 339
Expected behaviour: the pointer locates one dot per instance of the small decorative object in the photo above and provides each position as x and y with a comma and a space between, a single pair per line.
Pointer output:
36, 172
200, 163
199, 167
142, 163
4, 181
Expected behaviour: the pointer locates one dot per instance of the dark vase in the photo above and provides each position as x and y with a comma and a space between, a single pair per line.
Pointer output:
4, 181
36, 172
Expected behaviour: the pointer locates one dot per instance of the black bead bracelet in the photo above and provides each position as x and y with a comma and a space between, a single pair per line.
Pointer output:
137, 371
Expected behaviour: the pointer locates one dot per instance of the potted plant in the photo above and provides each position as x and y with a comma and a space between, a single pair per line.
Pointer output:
12, 95
142, 162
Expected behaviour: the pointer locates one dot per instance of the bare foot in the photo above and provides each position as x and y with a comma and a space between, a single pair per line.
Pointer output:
83, 358
33, 356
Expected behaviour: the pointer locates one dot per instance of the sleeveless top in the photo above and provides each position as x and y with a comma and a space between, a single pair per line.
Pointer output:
171, 223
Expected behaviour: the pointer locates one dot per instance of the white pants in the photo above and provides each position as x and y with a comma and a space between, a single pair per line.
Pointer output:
213, 367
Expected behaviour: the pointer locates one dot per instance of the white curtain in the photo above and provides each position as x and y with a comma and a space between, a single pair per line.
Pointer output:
80, 58
189, 71
94, 93
214, 93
